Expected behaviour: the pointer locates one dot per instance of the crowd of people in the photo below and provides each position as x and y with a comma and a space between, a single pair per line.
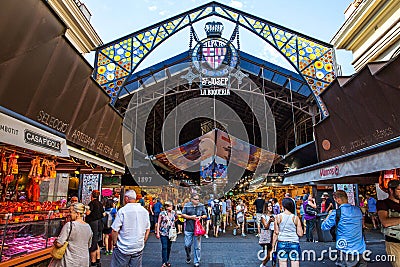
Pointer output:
124, 232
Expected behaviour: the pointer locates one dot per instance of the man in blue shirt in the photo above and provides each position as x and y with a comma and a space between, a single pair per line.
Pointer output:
191, 212
157, 209
372, 210
350, 241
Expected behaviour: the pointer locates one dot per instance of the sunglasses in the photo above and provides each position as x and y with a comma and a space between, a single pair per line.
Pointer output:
195, 198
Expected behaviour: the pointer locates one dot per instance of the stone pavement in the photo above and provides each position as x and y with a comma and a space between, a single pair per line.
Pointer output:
229, 251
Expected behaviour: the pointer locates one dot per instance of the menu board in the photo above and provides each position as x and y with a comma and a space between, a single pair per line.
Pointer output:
90, 182
349, 189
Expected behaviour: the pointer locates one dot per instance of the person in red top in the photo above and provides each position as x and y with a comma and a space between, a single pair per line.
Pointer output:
389, 215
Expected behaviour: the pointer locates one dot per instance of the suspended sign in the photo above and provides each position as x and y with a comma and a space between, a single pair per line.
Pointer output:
214, 59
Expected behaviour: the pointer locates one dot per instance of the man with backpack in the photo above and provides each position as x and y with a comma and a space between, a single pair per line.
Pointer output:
216, 216
350, 240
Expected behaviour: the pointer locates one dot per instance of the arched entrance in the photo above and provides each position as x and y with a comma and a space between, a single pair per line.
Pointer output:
313, 59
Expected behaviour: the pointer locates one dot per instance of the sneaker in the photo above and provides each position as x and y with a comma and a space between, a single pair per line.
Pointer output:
188, 260
257, 235
196, 265
223, 231
206, 236
243, 235
234, 231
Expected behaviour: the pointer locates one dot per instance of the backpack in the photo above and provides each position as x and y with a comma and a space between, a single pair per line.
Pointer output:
310, 210
217, 208
107, 220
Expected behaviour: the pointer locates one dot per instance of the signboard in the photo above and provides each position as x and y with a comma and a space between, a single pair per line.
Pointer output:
18, 133
214, 58
330, 172
90, 182
349, 189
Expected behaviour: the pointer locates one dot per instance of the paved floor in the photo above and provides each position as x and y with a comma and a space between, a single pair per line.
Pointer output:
228, 251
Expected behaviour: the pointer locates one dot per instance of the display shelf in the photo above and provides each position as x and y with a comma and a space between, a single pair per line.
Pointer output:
20, 224
23, 239
28, 259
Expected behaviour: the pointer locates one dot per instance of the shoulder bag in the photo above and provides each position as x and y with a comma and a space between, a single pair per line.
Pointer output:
172, 230
58, 253
265, 235
310, 210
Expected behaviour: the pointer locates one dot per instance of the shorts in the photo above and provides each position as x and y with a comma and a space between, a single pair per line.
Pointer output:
258, 218
223, 217
155, 216
288, 250
216, 219
96, 228
107, 231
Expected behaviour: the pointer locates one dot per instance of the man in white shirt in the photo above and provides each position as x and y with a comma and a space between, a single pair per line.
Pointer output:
131, 229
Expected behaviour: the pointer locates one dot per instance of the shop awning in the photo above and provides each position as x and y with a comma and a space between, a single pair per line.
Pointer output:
74, 152
382, 156
48, 81
18, 133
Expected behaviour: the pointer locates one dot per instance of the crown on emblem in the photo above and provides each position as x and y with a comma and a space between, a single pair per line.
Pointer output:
214, 29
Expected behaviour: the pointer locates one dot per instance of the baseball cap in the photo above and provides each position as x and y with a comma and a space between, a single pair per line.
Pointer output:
394, 183
325, 194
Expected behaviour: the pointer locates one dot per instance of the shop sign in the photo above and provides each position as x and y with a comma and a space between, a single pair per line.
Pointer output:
18, 133
40, 140
329, 172
113, 180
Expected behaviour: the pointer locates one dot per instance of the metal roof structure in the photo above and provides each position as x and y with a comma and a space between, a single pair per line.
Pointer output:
315, 60
286, 92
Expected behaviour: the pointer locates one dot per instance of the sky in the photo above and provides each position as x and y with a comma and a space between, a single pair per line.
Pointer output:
320, 19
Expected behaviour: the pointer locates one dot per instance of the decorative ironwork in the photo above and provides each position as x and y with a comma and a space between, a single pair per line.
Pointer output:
239, 75
313, 59
190, 76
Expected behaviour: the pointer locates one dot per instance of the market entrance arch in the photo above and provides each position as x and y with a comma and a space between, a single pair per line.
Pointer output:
313, 59
290, 95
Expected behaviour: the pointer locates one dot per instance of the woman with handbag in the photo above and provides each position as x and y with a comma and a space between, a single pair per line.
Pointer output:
310, 212
75, 238
287, 230
166, 231
241, 210
265, 239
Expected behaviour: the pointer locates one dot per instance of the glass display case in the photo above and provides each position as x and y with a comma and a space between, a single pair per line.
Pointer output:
27, 233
